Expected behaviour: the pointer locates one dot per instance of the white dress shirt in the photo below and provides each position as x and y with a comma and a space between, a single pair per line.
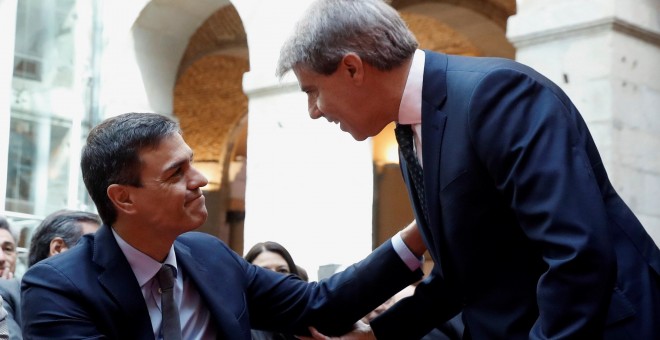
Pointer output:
193, 313
410, 112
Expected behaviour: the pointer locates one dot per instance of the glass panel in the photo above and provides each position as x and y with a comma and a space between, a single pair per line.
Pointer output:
53, 104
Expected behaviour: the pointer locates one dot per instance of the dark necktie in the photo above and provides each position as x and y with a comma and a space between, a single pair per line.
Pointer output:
171, 325
404, 136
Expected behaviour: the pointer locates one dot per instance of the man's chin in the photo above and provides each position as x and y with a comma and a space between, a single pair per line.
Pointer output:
198, 219
357, 136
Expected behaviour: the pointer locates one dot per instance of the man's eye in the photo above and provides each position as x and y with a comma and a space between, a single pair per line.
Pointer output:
177, 173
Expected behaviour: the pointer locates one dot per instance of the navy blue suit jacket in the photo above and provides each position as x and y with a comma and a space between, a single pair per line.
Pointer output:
528, 236
90, 291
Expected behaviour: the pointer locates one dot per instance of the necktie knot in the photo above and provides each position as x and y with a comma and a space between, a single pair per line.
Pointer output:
404, 136
166, 277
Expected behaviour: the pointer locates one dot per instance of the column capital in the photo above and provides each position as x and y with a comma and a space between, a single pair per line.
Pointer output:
539, 21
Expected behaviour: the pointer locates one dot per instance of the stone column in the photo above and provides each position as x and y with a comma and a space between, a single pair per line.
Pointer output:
604, 54
309, 185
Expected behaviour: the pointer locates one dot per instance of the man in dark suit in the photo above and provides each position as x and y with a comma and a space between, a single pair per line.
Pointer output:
528, 236
118, 283
10, 291
55, 234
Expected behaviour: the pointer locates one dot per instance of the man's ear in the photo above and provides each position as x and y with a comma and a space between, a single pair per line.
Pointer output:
120, 195
354, 67
57, 246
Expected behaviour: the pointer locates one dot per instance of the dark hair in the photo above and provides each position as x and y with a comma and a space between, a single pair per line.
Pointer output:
112, 154
4, 224
272, 247
302, 273
63, 223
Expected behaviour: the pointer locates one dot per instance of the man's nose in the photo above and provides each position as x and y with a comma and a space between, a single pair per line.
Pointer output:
198, 179
314, 112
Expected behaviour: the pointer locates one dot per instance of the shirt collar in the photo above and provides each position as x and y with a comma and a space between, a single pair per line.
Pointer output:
143, 266
410, 109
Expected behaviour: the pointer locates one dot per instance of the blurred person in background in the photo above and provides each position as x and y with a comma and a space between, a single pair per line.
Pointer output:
59, 231
4, 331
8, 254
273, 256
55, 234
9, 285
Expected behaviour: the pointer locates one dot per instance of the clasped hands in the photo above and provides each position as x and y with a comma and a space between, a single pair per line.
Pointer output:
361, 331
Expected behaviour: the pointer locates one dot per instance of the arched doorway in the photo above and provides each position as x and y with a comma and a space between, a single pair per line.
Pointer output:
212, 110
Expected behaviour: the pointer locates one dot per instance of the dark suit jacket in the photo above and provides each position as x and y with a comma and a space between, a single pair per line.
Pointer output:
11, 296
91, 291
528, 236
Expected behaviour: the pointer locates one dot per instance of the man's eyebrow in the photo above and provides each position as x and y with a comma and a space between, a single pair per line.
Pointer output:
178, 164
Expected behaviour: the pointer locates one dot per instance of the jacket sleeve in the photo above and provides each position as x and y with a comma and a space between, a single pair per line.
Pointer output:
333, 305
51, 308
429, 307
533, 143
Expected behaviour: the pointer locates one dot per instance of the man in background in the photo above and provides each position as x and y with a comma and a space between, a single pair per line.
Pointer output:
9, 286
56, 233
8, 254
59, 231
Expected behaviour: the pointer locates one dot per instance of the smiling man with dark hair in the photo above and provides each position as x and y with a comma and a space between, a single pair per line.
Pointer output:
145, 275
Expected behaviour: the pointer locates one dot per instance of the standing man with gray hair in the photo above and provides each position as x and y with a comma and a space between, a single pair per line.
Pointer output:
528, 236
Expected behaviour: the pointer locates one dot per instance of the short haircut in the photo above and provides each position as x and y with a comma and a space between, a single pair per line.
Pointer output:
4, 224
66, 224
330, 29
112, 154
272, 247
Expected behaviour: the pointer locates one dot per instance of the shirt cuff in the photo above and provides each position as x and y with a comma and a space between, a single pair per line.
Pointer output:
413, 262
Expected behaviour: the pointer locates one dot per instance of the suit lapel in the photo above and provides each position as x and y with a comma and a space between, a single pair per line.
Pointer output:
119, 281
434, 94
226, 323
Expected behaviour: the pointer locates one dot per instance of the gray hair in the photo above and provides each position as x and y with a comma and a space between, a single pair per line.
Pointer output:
330, 29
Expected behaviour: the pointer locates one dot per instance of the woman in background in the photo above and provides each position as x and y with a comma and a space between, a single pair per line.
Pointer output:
273, 256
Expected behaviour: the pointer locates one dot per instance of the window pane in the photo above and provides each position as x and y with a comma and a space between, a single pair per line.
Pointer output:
53, 104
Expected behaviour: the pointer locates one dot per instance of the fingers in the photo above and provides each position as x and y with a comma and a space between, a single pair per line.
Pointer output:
317, 335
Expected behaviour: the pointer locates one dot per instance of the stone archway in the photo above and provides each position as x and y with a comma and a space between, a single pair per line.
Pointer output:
211, 107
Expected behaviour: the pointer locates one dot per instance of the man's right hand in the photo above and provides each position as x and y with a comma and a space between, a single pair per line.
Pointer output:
5, 272
361, 331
